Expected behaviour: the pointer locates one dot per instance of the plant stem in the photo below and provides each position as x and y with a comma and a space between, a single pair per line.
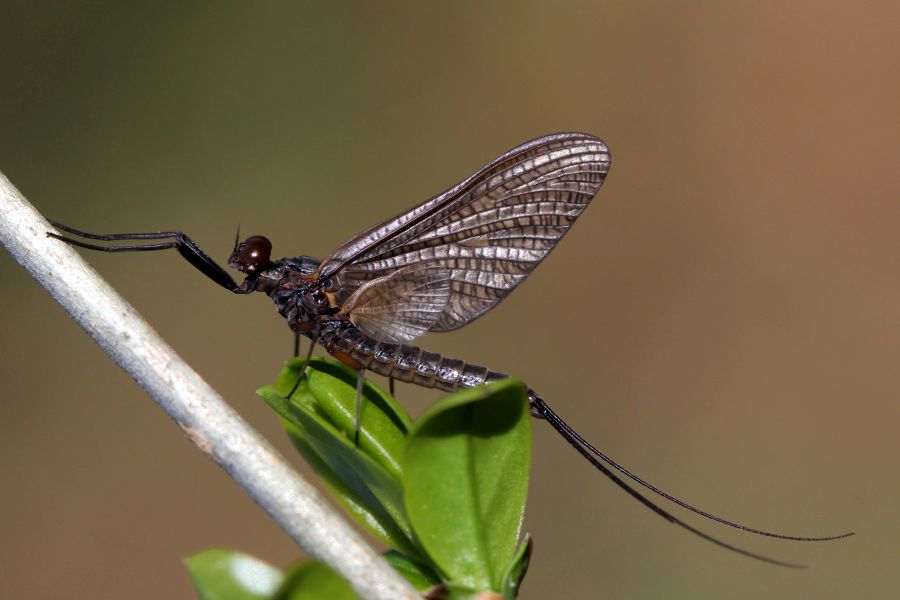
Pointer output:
202, 414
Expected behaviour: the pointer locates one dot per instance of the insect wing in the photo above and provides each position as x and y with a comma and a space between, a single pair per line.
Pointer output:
490, 231
401, 306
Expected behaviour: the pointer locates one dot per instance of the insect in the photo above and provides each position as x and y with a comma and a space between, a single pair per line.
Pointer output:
436, 268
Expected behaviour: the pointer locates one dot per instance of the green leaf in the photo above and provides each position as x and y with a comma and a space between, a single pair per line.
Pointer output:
466, 479
228, 575
314, 581
364, 507
329, 390
419, 575
370, 494
458, 591
515, 573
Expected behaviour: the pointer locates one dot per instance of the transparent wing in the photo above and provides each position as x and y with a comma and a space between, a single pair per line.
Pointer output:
401, 306
490, 231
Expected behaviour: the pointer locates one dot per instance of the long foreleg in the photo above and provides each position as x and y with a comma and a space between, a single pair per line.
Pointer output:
173, 239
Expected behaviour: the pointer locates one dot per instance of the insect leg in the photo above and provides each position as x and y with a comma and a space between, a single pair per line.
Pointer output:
297, 344
174, 239
391, 386
312, 346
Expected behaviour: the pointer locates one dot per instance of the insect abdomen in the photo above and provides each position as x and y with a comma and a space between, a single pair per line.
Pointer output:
405, 363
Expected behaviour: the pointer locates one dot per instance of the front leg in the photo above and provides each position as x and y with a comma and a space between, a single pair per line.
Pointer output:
175, 239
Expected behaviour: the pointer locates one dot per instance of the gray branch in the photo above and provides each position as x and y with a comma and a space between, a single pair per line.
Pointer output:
202, 414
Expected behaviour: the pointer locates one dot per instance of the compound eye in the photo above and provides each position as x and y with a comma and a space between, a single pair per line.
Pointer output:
254, 253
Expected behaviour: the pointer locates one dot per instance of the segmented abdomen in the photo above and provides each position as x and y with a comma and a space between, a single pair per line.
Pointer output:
404, 363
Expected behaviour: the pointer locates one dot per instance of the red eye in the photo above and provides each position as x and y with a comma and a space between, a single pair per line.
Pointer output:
254, 253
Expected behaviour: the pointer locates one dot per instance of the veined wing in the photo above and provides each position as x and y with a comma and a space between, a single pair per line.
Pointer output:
490, 231
400, 306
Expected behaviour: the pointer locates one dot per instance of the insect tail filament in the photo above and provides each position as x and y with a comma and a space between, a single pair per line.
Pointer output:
540, 409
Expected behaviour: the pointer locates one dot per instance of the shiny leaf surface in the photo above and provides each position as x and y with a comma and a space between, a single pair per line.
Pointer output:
465, 481
219, 574
314, 581
365, 480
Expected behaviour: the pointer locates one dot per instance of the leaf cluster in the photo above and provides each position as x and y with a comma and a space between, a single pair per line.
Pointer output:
446, 493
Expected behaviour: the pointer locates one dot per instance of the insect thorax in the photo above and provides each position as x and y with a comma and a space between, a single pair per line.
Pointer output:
298, 299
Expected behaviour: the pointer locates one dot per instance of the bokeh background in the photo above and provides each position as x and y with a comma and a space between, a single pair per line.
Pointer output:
725, 318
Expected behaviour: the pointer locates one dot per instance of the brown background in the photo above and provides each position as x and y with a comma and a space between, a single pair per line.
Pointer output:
725, 319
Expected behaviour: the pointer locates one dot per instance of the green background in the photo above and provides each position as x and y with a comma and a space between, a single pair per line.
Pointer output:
724, 320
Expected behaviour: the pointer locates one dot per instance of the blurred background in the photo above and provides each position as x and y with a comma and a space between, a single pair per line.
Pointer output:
724, 319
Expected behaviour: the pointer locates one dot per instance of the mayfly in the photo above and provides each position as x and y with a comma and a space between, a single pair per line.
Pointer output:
436, 267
